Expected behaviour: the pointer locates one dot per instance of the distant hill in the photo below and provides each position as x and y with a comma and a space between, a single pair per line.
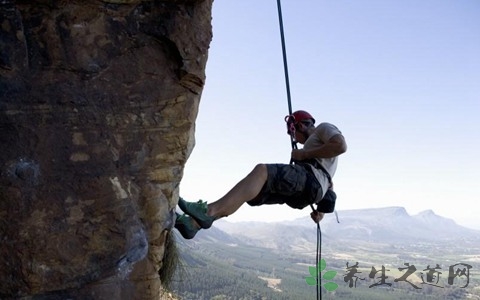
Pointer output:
379, 225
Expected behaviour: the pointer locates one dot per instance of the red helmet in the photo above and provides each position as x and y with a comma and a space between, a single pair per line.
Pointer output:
295, 118
301, 115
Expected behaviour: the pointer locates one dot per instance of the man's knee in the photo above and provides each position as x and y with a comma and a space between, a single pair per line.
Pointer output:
262, 168
260, 171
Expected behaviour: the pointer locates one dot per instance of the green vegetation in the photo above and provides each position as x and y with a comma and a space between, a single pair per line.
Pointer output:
215, 270
170, 261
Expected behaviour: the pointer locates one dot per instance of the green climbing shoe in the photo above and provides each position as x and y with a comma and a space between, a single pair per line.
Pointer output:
186, 226
198, 211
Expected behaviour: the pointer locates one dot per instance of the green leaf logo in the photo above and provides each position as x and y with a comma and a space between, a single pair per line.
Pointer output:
322, 265
328, 275
311, 280
330, 286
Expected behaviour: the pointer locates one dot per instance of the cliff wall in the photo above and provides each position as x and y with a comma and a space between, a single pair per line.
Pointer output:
98, 101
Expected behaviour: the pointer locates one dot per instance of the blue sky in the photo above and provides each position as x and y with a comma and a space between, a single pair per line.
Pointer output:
401, 79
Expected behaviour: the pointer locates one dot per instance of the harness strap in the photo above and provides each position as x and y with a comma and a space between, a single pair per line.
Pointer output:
317, 165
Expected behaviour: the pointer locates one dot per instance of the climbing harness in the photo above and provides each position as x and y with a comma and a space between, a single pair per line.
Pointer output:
291, 131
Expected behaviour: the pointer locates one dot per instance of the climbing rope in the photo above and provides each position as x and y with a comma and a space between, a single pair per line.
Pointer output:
318, 260
285, 67
291, 130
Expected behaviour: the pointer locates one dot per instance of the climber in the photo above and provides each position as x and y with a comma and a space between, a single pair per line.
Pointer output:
305, 182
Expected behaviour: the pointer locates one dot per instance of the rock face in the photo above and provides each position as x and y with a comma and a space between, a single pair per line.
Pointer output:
97, 108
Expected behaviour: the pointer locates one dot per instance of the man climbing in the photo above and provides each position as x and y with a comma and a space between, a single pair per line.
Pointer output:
306, 182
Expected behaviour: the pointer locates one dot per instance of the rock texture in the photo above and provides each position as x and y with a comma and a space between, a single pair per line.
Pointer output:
98, 101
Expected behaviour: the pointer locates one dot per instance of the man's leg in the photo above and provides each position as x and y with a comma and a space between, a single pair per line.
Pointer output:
197, 216
245, 190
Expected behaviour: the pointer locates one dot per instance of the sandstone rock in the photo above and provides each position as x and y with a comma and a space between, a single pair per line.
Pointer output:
98, 103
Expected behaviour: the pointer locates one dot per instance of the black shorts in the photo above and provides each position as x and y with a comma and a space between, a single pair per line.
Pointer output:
294, 185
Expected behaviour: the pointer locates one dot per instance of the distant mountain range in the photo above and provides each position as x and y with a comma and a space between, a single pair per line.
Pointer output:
243, 252
376, 225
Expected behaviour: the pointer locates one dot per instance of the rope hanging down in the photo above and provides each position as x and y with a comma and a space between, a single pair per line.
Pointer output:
285, 67
294, 144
